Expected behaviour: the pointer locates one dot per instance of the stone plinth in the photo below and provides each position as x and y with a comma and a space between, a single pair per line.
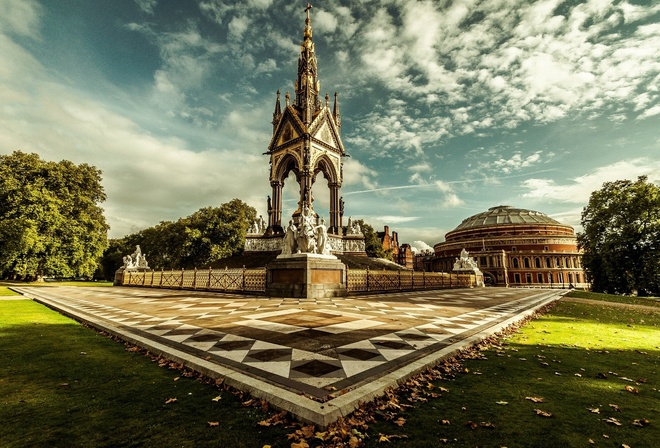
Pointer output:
304, 275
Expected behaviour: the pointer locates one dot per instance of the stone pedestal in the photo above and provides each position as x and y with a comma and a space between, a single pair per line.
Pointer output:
310, 276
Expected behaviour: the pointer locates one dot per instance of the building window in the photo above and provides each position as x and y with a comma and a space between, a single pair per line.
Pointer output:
515, 263
539, 278
516, 278
526, 262
513, 249
537, 262
549, 277
545, 248
548, 263
482, 261
528, 278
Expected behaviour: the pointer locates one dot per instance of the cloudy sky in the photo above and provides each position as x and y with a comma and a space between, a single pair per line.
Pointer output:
448, 107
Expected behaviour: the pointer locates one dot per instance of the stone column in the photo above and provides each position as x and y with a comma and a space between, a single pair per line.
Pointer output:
334, 207
275, 217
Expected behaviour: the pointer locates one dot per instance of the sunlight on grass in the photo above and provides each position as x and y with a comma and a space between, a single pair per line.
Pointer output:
7, 283
4, 291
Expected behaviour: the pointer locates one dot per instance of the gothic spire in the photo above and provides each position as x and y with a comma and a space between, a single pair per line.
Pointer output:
335, 112
307, 84
278, 111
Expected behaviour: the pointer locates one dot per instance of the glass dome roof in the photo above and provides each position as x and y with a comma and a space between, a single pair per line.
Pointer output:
503, 215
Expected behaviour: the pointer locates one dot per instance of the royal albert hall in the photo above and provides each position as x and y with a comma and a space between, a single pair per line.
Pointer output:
516, 247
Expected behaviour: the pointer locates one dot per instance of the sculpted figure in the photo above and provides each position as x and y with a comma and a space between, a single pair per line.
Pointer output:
322, 239
289, 242
306, 235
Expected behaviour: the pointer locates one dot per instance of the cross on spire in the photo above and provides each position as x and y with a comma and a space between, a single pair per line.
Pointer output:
307, 9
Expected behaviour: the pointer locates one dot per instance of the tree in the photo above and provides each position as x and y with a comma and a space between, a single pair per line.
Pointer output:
209, 234
373, 245
621, 237
50, 220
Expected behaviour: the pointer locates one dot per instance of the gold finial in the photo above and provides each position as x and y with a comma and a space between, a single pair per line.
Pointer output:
307, 9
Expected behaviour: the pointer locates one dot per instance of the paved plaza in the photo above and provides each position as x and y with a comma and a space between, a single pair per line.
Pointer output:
318, 358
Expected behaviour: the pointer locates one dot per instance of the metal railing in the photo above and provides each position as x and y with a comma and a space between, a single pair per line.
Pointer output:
254, 280
226, 280
366, 280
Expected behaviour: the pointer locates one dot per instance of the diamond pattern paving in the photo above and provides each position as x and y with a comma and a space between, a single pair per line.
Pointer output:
297, 346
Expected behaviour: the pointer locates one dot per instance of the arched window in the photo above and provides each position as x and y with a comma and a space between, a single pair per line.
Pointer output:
526, 262
537, 262
513, 249
515, 263
548, 263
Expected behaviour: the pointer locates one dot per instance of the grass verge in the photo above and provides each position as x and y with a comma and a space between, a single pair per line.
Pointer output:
9, 283
580, 375
62, 385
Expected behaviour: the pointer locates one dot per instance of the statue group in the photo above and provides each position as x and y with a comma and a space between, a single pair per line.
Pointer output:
307, 237
136, 260
465, 262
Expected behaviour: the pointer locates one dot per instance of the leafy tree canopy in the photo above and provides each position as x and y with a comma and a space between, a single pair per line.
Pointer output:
621, 237
373, 245
50, 220
197, 240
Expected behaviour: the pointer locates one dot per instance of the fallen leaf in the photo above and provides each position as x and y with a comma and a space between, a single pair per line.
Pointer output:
301, 444
606, 436
472, 425
535, 399
641, 422
177, 378
267, 446
502, 403
400, 421
170, 400
212, 424
442, 389
330, 388
591, 442
542, 413
594, 410
63, 385
218, 398
354, 442
488, 425
445, 422
632, 390
612, 421
615, 407
623, 445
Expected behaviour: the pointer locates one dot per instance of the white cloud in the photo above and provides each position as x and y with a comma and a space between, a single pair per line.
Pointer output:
147, 5
420, 246
580, 188
396, 219
324, 22
650, 112
20, 17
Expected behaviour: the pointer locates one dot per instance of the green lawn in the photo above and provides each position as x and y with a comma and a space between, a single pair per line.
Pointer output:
8, 283
62, 384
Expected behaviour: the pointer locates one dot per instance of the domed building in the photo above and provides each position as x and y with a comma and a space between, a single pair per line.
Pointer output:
515, 247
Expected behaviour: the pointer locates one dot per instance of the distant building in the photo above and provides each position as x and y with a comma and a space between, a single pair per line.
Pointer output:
389, 242
405, 256
423, 261
515, 247
401, 254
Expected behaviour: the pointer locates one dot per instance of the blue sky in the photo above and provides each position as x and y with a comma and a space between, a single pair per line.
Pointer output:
448, 107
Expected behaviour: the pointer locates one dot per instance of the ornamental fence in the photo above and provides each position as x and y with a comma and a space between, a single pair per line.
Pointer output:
225, 280
254, 280
366, 280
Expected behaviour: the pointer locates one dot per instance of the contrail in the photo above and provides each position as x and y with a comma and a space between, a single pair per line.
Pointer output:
413, 186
